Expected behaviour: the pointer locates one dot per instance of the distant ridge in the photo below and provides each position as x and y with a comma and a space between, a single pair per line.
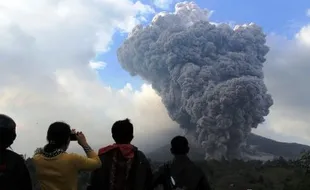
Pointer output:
261, 144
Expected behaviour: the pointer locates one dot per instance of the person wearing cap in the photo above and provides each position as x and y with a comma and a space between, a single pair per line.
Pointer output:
14, 174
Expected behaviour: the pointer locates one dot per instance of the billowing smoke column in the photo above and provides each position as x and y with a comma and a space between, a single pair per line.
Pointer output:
209, 75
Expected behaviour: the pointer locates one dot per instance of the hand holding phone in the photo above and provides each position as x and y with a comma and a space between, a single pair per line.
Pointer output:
81, 138
73, 135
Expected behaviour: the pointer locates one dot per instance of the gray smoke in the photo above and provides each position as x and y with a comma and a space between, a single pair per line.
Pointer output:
209, 75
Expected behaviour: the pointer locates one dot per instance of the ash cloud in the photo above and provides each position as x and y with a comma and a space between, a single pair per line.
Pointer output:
209, 76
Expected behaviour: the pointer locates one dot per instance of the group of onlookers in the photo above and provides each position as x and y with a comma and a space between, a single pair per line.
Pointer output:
120, 166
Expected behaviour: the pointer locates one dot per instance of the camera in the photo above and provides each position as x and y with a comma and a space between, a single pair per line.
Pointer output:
73, 137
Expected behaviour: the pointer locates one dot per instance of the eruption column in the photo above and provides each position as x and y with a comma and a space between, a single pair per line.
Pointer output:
210, 76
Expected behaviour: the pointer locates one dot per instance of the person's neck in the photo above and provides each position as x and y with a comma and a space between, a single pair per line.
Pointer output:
122, 143
181, 156
64, 148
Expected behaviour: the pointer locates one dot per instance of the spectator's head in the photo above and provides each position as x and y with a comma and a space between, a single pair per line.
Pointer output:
122, 131
58, 136
179, 146
7, 131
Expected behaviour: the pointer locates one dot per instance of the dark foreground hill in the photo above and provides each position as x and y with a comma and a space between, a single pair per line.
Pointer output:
260, 146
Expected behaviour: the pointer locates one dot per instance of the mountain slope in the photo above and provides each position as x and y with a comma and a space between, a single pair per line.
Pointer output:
289, 150
261, 144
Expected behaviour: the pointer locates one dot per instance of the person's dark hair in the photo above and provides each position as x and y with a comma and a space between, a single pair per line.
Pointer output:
179, 146
7, 131
7, 134
122, 131
58, 134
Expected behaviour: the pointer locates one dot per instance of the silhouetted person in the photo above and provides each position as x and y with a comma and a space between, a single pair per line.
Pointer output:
181, 172
55, 168
123, 165
14, 174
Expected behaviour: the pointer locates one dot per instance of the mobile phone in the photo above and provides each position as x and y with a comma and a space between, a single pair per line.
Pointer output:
73, 137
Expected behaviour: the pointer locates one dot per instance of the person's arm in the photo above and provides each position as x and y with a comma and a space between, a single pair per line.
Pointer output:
158, 177
23, 176
89, 163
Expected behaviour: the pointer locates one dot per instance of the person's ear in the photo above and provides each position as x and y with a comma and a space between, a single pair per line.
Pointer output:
187, 149
130, 139
14, 136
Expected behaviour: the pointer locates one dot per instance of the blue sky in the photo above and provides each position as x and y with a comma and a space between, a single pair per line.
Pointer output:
284, 17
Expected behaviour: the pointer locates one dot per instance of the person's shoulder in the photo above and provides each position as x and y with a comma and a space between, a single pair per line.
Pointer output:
15, 158
13, 155
72, 156
140, 153
141, 156
37, 157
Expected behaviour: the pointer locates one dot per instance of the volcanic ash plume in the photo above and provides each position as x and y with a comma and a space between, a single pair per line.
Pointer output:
209, 75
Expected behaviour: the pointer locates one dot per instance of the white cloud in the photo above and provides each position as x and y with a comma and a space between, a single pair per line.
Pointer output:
163, 4
287, 76
303, 36
89, 106
97, 65
45, 50
308, 13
